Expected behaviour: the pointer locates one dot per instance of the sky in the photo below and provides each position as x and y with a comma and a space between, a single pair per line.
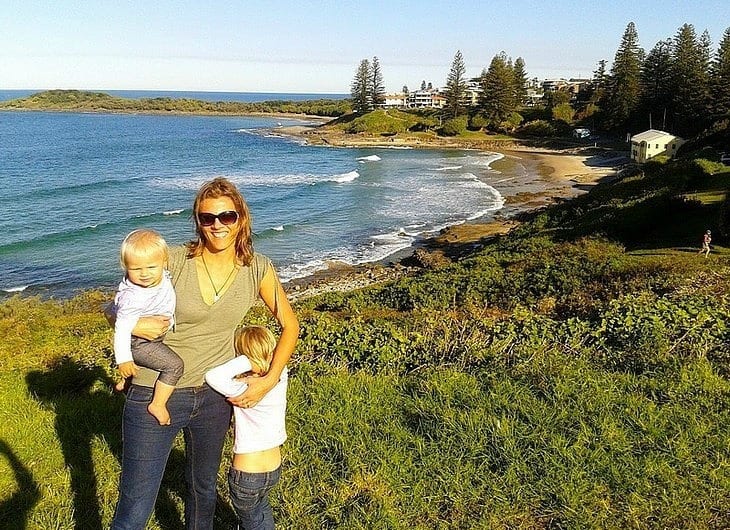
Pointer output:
316, 46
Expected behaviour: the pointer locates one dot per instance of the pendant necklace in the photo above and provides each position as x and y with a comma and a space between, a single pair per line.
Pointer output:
210, 279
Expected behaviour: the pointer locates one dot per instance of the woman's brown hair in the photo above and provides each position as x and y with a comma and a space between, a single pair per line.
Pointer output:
215, 189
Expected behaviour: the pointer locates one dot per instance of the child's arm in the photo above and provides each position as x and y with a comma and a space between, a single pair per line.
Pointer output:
223, 378
123, 338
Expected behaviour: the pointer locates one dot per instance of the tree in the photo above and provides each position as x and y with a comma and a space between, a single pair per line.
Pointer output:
456, 87
405, 90
360, 88
600, 78
720, 77
423, 85
497, 97
690, 80
624, 87
656, 82
377, 88
563, 112
520, 75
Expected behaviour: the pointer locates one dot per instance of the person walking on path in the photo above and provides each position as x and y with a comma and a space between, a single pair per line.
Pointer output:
706, 240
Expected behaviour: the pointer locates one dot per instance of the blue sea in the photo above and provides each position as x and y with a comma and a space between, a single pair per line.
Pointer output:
74, 184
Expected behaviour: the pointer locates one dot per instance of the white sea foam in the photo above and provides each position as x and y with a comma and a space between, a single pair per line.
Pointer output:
279, 228
448, 168
173, 212
371, 158
345, 177
18, 289
483, 160
253, 180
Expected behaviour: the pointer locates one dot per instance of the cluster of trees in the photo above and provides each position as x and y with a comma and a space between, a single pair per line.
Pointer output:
367, 89
502, 91
680, 85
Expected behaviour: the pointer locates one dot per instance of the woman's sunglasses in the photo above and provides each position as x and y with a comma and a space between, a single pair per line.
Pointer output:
227, 218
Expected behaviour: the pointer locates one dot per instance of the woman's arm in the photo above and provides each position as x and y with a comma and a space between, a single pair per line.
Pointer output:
148, 328
273, 295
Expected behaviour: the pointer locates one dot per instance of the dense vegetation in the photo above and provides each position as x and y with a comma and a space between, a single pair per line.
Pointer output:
682, 85
79, 100
573, 374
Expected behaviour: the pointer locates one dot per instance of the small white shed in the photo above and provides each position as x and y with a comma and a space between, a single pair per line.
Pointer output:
652, 143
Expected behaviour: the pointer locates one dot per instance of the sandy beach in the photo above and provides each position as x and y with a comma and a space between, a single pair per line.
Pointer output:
554, 175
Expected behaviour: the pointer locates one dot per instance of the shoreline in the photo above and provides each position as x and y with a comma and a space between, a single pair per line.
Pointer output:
549, 176
558, 174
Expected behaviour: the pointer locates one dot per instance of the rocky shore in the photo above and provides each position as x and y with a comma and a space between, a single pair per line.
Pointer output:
558, 174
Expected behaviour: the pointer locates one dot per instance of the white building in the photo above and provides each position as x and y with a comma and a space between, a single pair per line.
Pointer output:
426, 99
651, 143
397, 101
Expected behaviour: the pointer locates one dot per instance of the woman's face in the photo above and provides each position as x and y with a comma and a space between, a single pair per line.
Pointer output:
219, 236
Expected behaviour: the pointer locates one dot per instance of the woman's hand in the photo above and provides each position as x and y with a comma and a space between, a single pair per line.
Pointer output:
149, 328
258, 387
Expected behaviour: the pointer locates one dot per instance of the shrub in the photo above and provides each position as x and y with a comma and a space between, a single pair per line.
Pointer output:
537, 128
478, 122
455, 126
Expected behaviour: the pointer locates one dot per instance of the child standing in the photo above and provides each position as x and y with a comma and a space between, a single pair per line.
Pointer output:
259, 430
146, 290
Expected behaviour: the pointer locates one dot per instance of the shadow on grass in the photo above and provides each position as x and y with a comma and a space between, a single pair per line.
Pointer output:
14, 511
87, 410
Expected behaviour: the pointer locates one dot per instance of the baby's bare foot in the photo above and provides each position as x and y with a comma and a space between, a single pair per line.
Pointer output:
160, 412
122, 385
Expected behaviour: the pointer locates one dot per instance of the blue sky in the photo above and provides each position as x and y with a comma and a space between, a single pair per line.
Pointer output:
316, 46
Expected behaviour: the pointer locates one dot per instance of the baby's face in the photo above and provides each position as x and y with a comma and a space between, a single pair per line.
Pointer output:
145, 271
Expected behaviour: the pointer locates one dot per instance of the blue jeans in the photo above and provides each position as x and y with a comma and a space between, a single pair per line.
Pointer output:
204, 417
250, 498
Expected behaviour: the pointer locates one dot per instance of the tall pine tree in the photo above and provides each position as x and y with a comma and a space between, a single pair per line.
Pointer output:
360, 88
656, 76
456, 85
377, 88
720, 78
520, 75
624, 84
497, 97
690, 81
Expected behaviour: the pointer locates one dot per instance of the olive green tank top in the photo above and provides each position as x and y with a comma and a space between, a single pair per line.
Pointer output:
203, 334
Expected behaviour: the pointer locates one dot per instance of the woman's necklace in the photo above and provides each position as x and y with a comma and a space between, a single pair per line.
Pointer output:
210, 278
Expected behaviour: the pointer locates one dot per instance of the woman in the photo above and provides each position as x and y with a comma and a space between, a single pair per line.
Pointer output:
217, 278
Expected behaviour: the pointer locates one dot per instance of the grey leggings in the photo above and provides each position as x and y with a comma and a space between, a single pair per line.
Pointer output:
158, 356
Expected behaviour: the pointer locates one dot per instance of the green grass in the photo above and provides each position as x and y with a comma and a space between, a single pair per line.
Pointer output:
574, 374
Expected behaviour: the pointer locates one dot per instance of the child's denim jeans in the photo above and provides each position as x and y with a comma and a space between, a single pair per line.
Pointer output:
250, 498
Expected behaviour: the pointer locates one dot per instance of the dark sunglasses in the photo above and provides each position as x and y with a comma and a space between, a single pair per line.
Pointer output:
227, 218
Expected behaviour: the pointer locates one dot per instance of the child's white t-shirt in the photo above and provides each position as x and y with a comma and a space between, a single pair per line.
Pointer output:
260, 427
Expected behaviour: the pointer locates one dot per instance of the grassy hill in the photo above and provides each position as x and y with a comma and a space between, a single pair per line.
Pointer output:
572, 374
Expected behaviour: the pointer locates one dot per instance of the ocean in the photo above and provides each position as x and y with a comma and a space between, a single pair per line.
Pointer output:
74, 184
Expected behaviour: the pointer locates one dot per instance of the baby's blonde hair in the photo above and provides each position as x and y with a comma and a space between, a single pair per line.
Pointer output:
143, 243
257, 343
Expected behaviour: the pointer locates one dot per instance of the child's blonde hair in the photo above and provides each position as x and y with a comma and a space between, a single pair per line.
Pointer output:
143, 243
257, 343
